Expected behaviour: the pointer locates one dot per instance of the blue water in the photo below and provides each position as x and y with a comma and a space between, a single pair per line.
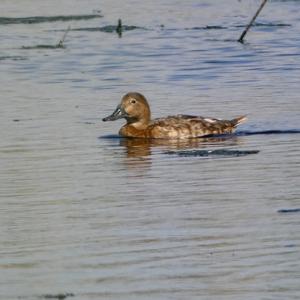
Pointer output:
85, 214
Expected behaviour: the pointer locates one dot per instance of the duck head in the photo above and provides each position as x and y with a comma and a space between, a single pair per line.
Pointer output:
134, 108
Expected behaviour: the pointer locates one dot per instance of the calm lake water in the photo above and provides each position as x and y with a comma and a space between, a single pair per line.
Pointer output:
87, 215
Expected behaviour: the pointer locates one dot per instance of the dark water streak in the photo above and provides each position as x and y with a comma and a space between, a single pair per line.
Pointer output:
13, 57
108, 28
267, 132
213, 153
61, 296
289, 210
46, 19
58, 46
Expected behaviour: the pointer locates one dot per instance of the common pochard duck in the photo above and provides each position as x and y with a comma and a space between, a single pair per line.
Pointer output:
135, 109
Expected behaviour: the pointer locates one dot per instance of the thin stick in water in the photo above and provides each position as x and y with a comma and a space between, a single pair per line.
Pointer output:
241, 39
60, 44
119, 28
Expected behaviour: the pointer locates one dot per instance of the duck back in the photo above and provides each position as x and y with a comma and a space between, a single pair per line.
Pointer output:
187, 126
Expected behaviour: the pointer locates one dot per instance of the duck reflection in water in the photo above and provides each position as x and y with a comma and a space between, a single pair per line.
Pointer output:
139, 153
139, 147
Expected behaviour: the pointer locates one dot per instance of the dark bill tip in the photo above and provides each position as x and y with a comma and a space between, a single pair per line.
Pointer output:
117, 114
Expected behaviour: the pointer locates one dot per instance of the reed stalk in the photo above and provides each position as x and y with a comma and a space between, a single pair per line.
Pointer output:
241, 39
60, 44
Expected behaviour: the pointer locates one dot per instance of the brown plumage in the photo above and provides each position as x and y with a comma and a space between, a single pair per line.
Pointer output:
135, 109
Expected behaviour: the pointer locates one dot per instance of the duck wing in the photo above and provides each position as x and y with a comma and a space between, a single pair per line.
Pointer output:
189, 126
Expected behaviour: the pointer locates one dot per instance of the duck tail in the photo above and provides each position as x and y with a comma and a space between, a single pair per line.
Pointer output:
238, 120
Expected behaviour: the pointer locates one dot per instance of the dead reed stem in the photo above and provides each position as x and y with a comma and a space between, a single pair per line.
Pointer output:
241, 39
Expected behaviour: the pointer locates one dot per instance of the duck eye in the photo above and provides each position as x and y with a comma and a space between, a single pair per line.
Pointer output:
133, 101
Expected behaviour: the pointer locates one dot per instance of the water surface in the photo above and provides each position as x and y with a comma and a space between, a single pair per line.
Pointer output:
87, 215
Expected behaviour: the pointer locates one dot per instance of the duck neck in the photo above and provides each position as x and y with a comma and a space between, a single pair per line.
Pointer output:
140, 123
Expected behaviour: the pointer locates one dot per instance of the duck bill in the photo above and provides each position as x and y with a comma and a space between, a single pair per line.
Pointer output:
119, 113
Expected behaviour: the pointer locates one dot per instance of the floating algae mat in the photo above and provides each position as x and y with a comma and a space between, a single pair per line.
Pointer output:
212, 153
44, 19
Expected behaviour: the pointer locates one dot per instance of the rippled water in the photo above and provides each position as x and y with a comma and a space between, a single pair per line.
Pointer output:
87, 215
